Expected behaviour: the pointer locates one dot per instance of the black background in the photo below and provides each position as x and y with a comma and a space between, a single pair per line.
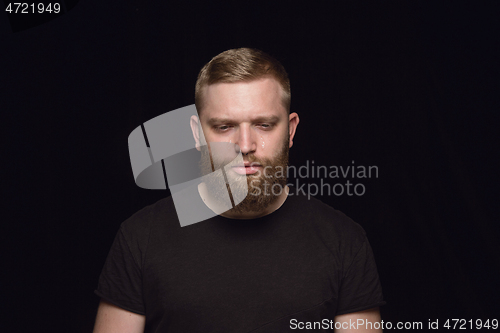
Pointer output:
409, 86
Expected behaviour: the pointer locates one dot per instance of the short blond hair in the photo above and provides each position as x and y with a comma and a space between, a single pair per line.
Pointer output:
243, 64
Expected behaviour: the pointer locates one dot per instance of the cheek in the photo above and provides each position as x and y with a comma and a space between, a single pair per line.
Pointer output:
272, 146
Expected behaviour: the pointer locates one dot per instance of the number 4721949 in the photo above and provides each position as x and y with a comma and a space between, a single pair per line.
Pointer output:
463, 324
32, 8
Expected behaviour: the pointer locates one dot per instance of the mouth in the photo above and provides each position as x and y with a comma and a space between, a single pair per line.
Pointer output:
247, 168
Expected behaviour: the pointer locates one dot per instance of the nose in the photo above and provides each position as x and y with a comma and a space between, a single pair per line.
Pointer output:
246, 140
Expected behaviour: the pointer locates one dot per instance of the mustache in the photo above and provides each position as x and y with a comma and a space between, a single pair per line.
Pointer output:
208, 163
247, 161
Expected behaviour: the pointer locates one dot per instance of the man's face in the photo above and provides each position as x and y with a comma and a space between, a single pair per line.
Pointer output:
250, 115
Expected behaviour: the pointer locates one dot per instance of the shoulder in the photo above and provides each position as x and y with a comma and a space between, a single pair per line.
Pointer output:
138, 226
331, 225
325, 216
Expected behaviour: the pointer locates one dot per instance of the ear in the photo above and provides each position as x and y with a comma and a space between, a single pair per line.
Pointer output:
196, 129
293, 122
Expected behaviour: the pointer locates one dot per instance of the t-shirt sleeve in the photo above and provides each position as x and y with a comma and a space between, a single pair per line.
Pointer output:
120, 282
360, 287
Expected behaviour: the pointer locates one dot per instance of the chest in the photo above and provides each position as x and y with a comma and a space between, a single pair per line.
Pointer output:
241, 281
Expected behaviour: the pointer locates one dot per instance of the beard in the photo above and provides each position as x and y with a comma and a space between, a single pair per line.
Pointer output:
264, 187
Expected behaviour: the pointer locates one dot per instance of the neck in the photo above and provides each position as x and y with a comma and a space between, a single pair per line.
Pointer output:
211, 203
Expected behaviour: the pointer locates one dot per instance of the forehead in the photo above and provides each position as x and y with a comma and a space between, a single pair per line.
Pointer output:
247, 99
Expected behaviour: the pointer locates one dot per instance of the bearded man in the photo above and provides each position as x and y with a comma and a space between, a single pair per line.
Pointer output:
273, 262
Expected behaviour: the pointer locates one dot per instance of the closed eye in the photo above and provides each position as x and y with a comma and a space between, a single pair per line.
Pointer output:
266, 126
221, 128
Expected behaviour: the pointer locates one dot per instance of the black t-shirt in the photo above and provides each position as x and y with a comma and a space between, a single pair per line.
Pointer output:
305, 261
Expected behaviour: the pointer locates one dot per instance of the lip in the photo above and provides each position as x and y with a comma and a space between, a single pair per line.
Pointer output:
247, 169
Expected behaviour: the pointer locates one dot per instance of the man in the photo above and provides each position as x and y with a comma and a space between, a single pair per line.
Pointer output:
275, 262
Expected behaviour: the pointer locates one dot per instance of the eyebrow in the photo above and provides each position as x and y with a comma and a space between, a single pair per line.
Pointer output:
261, 119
